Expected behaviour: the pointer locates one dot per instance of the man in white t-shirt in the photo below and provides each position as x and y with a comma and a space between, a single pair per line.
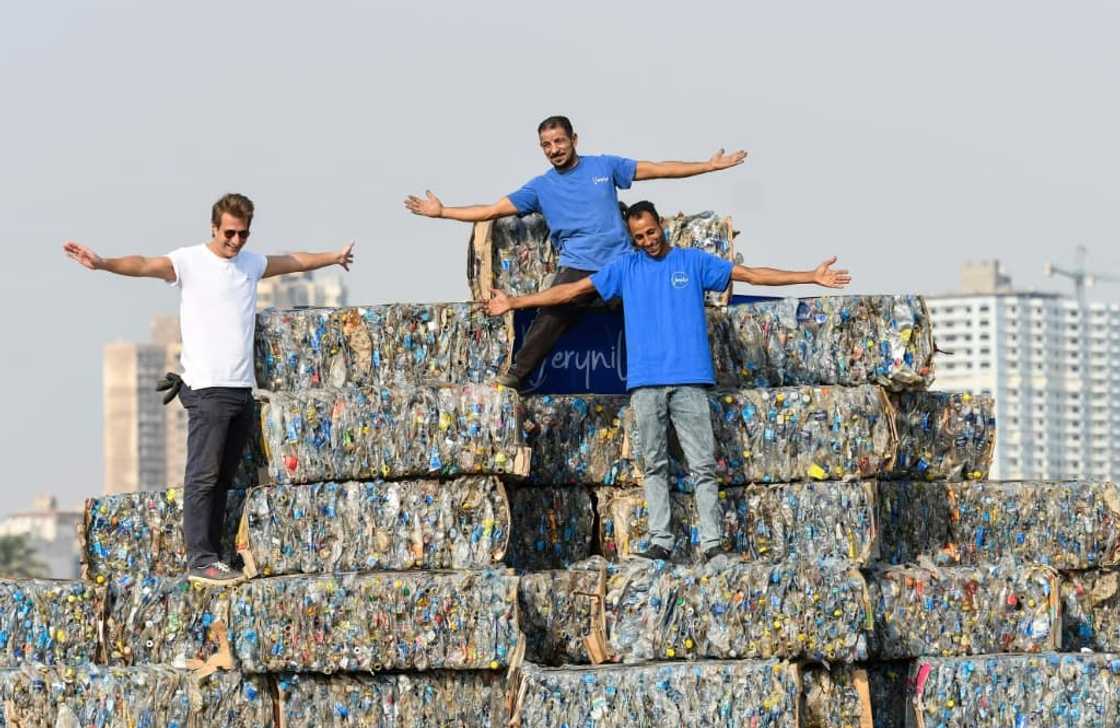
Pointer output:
217, 314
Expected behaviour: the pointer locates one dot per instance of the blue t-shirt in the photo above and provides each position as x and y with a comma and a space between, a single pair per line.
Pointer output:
581, 207
666, 331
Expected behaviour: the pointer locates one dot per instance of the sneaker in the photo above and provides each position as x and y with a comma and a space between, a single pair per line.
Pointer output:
509, 380
654, 553
216, 574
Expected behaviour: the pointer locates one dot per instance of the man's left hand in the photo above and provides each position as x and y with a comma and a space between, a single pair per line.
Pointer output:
498, 304
346, 256
720, 160
825, 276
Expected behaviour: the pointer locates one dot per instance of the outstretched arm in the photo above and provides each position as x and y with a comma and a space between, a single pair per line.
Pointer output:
136, 266
430, 206
822, 275
667, 170
563, 293
279, 265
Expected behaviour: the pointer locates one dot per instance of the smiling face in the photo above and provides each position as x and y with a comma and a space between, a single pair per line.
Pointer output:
230, 235
559, 147
648, 234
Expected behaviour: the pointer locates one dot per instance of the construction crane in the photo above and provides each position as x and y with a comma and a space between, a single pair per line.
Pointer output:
1080, 276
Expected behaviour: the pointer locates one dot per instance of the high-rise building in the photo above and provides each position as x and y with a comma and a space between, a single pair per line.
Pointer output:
300, 289
51, 533
1053, 365
144, 442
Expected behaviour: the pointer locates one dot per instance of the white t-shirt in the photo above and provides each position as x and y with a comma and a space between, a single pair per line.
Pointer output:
217, 314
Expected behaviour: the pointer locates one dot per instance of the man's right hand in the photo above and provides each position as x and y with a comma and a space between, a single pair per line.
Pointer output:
498, 304
429, 206
83, 255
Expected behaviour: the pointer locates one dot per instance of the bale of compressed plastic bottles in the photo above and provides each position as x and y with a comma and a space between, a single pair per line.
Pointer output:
380, 346
433, 699
401, 432
944, 435
829, 520
831, 340
1076, 690
145, 695
54, 622
964, 610
1065, 524
1091, 611
412, 620
142, 533
834, 697
704, 694
576, 439
550, 527
321, 528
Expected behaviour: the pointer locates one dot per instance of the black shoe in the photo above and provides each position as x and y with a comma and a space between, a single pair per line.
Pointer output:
216, 574
711, 552
509, 380
654, 553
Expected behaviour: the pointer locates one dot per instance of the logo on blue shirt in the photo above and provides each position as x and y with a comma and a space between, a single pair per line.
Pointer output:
679, 279
600, 180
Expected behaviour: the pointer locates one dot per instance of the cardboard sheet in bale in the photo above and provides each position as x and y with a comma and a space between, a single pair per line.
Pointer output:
404, 432
1065, 524
154, 620
415, 620
836, 697
703, 694
142, 533
832, 340
435, 699
964, 610
1079, 690
576, 439
372, 346
54, 622
552, 527
322, 528
791, 434
1091, 611
725, 609
944, 435
156, 696
808, 521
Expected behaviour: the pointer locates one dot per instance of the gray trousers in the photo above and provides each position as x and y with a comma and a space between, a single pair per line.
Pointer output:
686, 406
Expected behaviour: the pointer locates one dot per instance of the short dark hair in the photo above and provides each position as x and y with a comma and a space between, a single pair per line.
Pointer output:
640, 208
237, 205
557, 122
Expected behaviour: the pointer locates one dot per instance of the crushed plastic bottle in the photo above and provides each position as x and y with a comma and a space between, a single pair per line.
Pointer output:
54, 622
704, 694
142, 534
964, 610
380, 346
576, 439
1091, 611
402, 432
551, 527
149, 696
409, 620
831, 340
435, 699
997, 691
791, 434
164, 620
375, 526
944, 436
725, 609
839, 697
1064, 524
708, 232
806, 521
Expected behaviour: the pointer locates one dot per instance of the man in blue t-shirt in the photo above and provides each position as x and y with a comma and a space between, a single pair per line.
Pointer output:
668, 358
578, 198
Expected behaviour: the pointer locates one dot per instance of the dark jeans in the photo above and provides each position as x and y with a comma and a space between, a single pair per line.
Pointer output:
550, 323
219, 420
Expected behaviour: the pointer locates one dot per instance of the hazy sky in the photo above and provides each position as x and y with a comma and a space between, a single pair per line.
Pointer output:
902, 137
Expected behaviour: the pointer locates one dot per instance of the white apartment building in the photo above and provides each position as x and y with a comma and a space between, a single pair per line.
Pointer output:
300, 289
1051, 362
51, 533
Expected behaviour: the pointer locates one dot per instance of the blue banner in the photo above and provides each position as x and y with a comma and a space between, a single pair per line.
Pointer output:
590, 357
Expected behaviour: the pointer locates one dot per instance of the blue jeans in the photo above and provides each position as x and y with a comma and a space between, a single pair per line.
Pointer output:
686, 406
